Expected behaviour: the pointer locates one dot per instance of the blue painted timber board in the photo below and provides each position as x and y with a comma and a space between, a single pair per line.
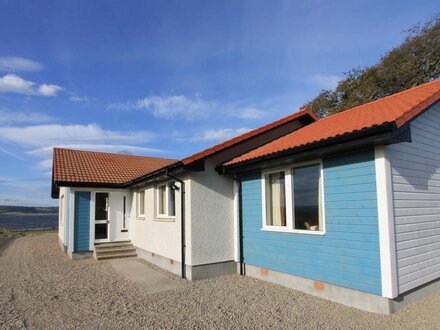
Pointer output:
81, 236
348, 254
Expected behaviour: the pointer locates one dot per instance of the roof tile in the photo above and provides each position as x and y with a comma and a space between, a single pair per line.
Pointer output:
79, 166
218, 147
398, 108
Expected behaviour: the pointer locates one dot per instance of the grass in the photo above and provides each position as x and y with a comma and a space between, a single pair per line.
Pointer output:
9, 233
44, 231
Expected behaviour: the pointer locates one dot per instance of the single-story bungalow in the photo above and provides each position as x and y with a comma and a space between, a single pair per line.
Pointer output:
345, 207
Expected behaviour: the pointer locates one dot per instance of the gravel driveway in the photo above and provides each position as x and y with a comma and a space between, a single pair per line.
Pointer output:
41, 288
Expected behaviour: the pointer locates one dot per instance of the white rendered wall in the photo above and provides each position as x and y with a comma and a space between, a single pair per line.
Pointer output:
416, 196
212, 216
157, 235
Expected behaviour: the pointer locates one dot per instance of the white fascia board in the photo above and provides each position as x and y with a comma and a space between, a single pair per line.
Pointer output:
92, 221
387, 239
236, 224
71, 218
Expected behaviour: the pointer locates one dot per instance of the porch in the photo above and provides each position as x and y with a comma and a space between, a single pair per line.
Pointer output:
100, 223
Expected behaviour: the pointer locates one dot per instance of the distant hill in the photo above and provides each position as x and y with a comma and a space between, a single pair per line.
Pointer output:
24, 210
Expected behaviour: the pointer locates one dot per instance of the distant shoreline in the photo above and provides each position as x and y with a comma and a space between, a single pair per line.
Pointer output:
28, 218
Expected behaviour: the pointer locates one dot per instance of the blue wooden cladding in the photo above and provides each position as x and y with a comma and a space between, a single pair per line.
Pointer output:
348, 254
81, 231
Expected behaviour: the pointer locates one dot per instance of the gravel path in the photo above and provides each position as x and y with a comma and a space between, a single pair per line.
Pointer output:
41, 288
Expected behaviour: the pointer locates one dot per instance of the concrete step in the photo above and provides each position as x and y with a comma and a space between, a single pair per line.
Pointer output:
116, 255
114, 250
113, 244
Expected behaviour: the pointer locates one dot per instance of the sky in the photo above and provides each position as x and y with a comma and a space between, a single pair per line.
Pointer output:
169, 78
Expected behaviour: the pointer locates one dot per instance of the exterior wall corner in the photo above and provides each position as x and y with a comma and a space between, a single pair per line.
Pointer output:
385, 209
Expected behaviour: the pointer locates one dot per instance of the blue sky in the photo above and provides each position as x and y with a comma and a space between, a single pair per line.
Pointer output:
168, 78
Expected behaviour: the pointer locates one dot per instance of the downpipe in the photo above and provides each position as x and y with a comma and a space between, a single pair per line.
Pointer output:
240, 226
182, 225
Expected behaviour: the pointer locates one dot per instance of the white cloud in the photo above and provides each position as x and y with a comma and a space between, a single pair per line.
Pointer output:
116, 148
16, 64
77, 98
34, 144
8, 117
249, 113
10, 153
17, 191
55, 134
169, 107
323, 81
219, 134
48, 90
45, 164
189, 108
38, 141
12, 83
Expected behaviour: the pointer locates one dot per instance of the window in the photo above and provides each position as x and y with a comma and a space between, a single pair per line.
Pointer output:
166, 200
306, 197
171, 199
124, 211
101, 215
141, 203
275, 199
293, 199
101, 206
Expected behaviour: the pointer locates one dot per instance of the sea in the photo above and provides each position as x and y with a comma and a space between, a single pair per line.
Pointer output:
29, 221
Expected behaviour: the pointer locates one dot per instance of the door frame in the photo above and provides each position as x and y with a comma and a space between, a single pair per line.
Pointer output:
119, 230
93, 221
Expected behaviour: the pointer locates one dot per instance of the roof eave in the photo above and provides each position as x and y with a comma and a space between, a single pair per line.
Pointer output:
386, 133
150, 176
57, 184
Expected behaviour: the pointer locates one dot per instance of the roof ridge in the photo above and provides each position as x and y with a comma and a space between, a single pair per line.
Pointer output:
402, 119
384, 98
251, 133
112, 153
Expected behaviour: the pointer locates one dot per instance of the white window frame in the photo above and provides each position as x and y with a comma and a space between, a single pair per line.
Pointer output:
138, 204
290, 215
93, 240
167, 188
287, 195
62, 209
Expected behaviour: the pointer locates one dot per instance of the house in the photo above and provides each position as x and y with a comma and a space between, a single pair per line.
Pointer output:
345, 207
178, 215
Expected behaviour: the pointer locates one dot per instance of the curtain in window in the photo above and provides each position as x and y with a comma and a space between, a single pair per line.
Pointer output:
275, 199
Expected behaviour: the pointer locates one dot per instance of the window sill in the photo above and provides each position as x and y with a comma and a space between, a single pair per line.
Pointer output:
165, 219
294, 231
140, 217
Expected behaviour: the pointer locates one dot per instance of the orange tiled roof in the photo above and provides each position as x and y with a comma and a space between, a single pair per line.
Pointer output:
78, 166
219, 147
398, 108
